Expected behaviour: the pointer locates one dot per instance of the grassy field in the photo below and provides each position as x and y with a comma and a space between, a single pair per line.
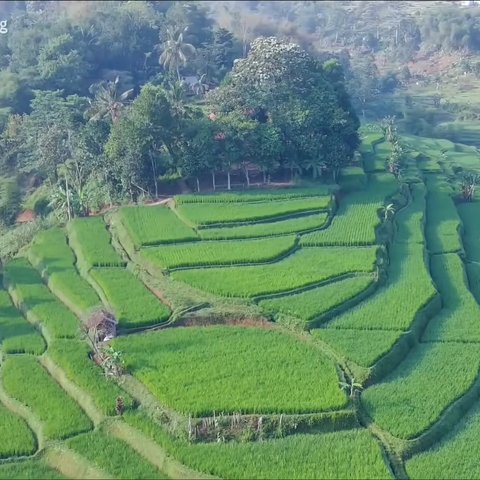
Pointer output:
351, 454
26, 380
154, 225
16, 334
199, 370
357, 217
134, 305
311, 265
254, 195
113, 456
72, 357
459, 320
312, 303
17, 438
51, 254
410, 220
412, 398
91, 243
470, 213
219, 252
39, 301
455, 456
202, 214
268, 229
28, 470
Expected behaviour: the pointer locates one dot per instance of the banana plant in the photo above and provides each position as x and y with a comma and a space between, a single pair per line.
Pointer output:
352, 386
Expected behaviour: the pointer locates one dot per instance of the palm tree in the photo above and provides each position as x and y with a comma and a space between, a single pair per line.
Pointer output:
352, 386
469, 183
200, 86
107, 101
175, 51
388, 211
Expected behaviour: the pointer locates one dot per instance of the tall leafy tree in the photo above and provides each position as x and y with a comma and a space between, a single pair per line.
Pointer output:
176, 52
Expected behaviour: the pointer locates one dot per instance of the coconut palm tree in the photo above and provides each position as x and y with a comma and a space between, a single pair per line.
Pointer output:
200, 86
352, 386
175, 51
107, 101
388, 211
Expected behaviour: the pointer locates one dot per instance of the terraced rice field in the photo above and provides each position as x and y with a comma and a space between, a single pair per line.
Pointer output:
253, 371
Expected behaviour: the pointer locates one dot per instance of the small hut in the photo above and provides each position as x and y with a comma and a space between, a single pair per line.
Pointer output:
102, 325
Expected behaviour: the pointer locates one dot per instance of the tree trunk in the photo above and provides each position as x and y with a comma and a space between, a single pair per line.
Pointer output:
213, 181
228, 181
154, 171
178, 73
247, 177
291, 174
198, 184
68, 199
264, 177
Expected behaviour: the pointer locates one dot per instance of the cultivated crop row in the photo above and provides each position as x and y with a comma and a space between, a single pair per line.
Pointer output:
28, 382
311, 265
34, 469
219, 253
470, 213
134, 305
412, 398
350, 454
203, 215
459, 319
410, 220
154, 225
16, 334
17, 438
72, 356
90, 241
113, 456
51, 254
199, 370
279, 227
312, 303
253, 196
42, 306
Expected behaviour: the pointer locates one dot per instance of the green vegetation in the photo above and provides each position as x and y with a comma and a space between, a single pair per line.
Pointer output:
412, 398
387, 309
41, 305
154, 225
72, 357
28, 470
352, 178
134, 305
469, 213
459, 319
51, 254
16, 334
364, 347
279, 227
204, 214
455, 456
351, 454
254, 195
25, 380
313, 303
113, 456
232, 369
410, 220
443, 224
90, 240
219, 253
311, 265
17, 438
357, 217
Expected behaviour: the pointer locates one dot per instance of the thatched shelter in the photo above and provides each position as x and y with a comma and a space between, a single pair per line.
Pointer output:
102, 324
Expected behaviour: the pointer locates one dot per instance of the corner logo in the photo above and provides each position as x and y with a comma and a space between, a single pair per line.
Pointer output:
3, 27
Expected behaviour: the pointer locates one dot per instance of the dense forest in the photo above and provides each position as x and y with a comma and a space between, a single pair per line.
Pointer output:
106, 102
